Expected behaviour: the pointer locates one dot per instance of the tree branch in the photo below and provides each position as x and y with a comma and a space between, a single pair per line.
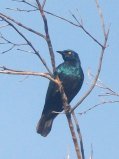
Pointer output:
97, 75
77, 25
28, 42
99, 104
47, 35
99, 66
79, 135
69, 119
8, 42
43, 5
3, 26
23, 1
101, 17
21, 25
5, 70
22, 10
100, 84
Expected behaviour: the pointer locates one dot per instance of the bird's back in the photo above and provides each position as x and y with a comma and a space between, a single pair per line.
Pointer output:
72, 78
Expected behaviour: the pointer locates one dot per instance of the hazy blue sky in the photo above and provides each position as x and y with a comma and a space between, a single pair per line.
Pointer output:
22, 99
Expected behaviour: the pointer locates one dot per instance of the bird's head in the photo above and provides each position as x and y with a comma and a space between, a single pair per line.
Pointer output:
69, 55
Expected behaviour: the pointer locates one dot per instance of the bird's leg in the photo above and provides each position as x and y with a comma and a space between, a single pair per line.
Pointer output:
68, 108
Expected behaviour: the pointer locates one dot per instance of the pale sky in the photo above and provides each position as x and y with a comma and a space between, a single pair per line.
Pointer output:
22, 98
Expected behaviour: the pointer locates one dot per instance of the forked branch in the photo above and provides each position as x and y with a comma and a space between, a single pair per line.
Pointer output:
99, 65
22, 25
28, 42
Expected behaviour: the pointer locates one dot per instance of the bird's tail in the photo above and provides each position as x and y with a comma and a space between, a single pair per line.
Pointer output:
44, 125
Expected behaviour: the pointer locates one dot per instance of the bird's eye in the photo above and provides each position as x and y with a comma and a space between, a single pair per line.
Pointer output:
69, 53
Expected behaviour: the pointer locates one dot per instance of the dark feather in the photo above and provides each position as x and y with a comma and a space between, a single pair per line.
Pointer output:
71, 75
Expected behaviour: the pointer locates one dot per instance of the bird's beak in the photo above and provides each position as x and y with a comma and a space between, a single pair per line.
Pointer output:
60, 52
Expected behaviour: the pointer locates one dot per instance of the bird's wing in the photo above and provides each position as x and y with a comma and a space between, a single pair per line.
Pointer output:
52, 90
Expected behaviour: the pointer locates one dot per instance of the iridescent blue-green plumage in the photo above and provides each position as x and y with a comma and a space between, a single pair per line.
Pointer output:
71, 75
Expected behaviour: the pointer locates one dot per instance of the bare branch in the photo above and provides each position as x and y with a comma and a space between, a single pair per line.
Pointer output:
79, 135
73, 135
43, 5
99, 104
5, 70
21, 25
98, 71
77, 25
67, 108
82, 27
8, 42
11, 48
18, 0
25, 51
101, 85
3, 26
29, 43
22, 10
47, 35
23, 1
96, 77
101, 16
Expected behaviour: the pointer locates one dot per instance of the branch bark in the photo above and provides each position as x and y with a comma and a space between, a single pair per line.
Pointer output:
28, 42
69, 119
79, 135
5, 70
22, 25
106, 34
99, 104
97, 75
79, 25
48, 40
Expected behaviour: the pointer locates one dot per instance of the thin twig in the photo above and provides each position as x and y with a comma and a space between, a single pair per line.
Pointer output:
48, 40
101, 17
23, 1
98, 70
82, 27
29, 43
62, 18
99, 66
102, 103
43, 5
11, 48
22, 10
96, 77
101, 85
3, 26
21, 25
25, 51
8, 42
77, 25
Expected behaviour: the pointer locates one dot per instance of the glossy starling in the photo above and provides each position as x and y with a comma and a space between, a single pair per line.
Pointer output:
71, 75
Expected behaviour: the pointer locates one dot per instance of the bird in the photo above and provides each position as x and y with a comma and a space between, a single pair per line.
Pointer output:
71, 76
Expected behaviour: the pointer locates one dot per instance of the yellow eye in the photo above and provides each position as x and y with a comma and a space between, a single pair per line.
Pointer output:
69, 53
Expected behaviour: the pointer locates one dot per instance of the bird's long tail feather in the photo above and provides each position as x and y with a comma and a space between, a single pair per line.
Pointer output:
44, 125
